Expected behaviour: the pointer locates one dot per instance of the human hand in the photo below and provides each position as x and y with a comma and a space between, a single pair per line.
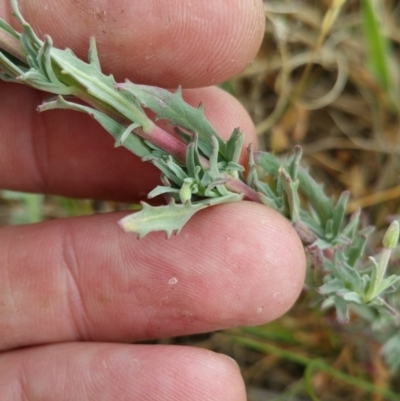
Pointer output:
74, 280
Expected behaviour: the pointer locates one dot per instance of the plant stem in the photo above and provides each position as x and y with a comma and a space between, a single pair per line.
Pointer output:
163, 140
12, 45
238, 186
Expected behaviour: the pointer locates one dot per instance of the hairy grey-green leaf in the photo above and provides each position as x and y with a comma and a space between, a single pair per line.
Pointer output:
46, 67
169, 218
101, 87
93, 56
176, 111
294, 162
314, 192
356, 248
234, 145
192, 159
132, 143
342, 309
291, 188
10, 68
161, 190
350, 296
78, 77
331, 286
166, 169
339, 212
8, 28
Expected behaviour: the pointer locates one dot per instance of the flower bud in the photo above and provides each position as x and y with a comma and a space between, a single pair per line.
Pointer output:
185, 193
391, 236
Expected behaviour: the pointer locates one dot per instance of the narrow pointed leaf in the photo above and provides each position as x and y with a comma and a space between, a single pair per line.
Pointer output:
339, 212
132, 143
234, 146
93, 57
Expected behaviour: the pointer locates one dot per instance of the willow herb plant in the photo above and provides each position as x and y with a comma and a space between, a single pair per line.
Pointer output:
199, 170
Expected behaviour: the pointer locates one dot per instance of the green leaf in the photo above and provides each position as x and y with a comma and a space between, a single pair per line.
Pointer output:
117, 130
294, 162
378, 47
169, 169
234, 146
350, 296
307, 185
391, 237
339, 212
391, 351
46, 67
290, 188
193, 164
350, 229
213, 169
160, 190
355, 249
172, 107
93, 57
9, 29
10, 68
388, 282
342, 310
61, 72
331, 286
170, 218
87, 77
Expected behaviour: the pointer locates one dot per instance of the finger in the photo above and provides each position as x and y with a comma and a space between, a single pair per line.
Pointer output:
67, 153
164, 43
105, 372
83, 279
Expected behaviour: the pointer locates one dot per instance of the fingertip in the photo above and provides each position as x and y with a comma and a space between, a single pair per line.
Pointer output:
119, 371
266, 258
283, 258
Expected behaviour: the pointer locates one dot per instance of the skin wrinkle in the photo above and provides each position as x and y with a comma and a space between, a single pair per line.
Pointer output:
10, 300
40, 296
22, 386
23, 152
139, 262
98, 300
9, 320
130, 286
128, 281
15, 376
126, 257
75, 300
7, 302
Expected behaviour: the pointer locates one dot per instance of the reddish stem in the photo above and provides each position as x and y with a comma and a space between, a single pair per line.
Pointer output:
12, 45
239, 187
165, 141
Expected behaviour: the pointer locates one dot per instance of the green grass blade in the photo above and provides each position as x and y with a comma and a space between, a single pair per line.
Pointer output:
377, 45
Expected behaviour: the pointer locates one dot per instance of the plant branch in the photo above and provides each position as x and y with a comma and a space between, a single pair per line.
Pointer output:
12, 45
